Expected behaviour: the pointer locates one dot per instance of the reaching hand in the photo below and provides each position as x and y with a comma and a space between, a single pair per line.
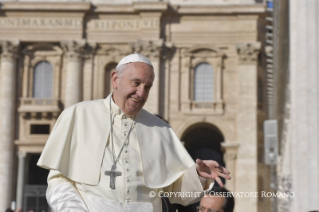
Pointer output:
211, 169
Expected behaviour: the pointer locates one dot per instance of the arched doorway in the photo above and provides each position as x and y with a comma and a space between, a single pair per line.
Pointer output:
203, 141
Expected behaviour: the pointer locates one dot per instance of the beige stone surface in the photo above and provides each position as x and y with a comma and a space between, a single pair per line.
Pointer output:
83, 42
7, 113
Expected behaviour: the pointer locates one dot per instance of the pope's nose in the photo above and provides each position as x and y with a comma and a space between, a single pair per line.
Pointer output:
141, 94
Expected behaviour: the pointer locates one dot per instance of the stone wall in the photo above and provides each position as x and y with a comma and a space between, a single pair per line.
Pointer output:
81, 41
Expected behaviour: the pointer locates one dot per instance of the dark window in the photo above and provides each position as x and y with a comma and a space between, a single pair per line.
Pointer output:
36, 186
40, 129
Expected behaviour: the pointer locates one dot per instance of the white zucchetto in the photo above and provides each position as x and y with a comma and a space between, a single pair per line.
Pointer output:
134, 58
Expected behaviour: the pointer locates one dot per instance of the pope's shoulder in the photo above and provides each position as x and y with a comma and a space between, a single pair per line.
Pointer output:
152, 119
100, 104
91, 104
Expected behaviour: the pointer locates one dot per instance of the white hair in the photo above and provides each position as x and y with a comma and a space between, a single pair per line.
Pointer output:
121, 68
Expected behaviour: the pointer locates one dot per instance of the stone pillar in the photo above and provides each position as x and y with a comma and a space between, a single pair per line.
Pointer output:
301, 151
165, 82
247, 124
7, 114
74, 56
88, 72
151, 50
20, 181
230, 157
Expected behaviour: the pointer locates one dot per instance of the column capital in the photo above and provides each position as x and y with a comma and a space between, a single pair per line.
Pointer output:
9, 49
74, 49
149, 48
230, 150
90, 50
248, 52
21, 154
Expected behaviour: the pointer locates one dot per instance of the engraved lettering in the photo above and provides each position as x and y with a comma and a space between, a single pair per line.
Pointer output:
146, 22
40, 22
34, 22
68, 22
58, 22
11, 22
50, 23
130, 25
107, 24
96, 24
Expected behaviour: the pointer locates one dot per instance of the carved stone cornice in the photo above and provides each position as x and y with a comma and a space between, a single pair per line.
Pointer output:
21, 155
9, 49
230, 151
230, 156
113, 52
148, 48
248, 52
90, 50
74, 49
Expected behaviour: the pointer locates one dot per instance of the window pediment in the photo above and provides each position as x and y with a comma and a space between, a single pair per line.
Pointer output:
203, 51
42, 49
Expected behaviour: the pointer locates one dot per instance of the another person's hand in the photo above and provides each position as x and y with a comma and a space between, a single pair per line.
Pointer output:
211, 169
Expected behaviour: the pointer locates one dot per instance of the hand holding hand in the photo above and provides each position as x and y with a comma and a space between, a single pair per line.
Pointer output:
211, 169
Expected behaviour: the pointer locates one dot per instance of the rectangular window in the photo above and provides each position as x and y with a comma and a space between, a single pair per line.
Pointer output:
39, 129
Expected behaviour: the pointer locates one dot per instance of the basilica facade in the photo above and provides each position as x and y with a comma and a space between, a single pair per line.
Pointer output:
209, 65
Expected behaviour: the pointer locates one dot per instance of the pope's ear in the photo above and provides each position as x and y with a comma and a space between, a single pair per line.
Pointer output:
114, 77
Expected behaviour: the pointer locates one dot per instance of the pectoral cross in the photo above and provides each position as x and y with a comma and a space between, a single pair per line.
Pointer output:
112, 173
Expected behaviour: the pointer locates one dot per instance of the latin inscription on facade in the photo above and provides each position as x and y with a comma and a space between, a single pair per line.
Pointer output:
126, 25
40, 23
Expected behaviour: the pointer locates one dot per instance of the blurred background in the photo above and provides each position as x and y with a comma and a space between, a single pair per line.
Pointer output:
236, 79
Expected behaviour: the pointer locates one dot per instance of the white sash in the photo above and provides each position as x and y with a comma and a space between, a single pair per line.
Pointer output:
96, 204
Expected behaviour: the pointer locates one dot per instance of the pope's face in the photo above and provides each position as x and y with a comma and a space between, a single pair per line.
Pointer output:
132, 86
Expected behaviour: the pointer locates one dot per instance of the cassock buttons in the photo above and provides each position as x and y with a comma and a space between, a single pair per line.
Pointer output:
128, 170
127, 191
127, 201
125, 124
127, 161
128, 180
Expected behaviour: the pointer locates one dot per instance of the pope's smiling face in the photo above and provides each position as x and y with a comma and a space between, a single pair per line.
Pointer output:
131, 86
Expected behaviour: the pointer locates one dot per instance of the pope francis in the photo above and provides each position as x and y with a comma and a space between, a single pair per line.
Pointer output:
112, 155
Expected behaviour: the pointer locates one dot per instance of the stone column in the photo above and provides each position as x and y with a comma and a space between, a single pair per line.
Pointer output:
20, 181
165, 83
247, 124
7, 114
301, 154
151, 50
74, 56
230, 157
88, 72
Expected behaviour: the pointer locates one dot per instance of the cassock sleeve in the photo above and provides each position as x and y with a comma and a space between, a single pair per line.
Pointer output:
62, 195
188, 188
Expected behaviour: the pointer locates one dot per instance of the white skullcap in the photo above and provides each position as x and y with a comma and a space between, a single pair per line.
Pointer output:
132, 58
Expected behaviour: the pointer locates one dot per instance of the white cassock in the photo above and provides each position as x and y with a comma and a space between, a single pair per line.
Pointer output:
79, 152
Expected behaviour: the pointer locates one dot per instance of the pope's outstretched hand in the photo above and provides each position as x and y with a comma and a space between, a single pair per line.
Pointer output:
211, 169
